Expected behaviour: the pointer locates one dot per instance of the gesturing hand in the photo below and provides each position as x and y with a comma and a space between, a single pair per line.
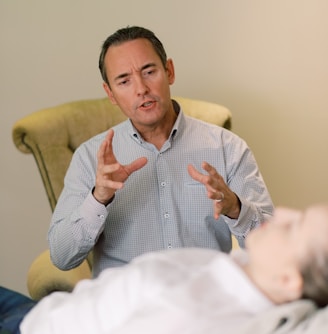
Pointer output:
225, 201
111, 175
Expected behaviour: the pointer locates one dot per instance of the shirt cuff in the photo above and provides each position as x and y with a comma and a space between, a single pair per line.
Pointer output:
94, 214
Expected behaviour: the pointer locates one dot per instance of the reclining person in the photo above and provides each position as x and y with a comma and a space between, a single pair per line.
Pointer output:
198, 290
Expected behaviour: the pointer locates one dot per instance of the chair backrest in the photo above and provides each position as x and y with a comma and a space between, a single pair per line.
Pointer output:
53, 134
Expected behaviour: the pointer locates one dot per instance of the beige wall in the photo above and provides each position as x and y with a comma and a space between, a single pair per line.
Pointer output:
265, 60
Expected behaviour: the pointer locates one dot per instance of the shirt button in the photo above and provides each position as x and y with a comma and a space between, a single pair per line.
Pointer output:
169, 246
102, 217
166, 215
163, 184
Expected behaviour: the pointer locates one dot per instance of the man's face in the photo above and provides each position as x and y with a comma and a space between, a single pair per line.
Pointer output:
139, 84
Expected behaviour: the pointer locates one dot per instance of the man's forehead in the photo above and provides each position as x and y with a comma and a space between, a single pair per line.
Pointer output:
138, 53
130, 47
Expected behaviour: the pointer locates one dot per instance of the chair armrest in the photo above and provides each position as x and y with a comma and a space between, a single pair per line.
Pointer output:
44, 278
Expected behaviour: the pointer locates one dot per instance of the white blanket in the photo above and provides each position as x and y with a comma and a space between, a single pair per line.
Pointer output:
300, 317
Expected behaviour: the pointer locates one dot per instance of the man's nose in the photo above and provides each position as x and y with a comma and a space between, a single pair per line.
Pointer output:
141, 86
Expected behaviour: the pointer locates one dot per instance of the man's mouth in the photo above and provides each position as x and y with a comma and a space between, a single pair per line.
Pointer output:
147, 104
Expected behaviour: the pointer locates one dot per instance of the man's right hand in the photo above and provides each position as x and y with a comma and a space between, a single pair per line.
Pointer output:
111, 175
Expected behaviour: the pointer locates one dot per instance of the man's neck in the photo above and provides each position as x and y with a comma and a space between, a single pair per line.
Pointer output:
159, 133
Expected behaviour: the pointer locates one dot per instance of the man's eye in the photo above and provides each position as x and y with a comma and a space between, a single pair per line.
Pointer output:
148, 73
122, 83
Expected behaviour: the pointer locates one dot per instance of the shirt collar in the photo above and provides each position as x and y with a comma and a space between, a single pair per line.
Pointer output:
177, 127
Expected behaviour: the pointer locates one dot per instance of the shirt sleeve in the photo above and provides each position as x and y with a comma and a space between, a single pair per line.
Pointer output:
78, 219
245, 179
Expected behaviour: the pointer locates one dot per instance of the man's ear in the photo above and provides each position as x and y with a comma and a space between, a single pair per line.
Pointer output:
170, 71
109, 93
291, 284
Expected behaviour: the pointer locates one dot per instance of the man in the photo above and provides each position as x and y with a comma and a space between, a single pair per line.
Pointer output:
199, 290
138, 188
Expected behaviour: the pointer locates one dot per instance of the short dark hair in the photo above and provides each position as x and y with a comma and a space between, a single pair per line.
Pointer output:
314, 270
130, 34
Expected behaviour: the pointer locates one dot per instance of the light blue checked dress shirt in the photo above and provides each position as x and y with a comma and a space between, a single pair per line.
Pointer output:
160, 206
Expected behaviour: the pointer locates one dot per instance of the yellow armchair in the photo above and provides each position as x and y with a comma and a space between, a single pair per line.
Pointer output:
52, 135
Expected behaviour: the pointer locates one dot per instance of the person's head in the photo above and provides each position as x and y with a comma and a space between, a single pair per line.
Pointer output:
288, 256
137, 75
126, 35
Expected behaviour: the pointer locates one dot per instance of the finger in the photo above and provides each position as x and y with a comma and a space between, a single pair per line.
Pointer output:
110, 135
109, 157
209, 169
195, 174
211, 182
206, 180
215, 179
110, 184
101, 154
135, 165
109, 169
217, 209
104, 146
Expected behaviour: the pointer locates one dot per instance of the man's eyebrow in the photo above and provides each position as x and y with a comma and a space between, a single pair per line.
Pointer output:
121, 76
147, 66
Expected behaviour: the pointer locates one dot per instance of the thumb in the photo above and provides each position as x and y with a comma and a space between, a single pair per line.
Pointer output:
136, 165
